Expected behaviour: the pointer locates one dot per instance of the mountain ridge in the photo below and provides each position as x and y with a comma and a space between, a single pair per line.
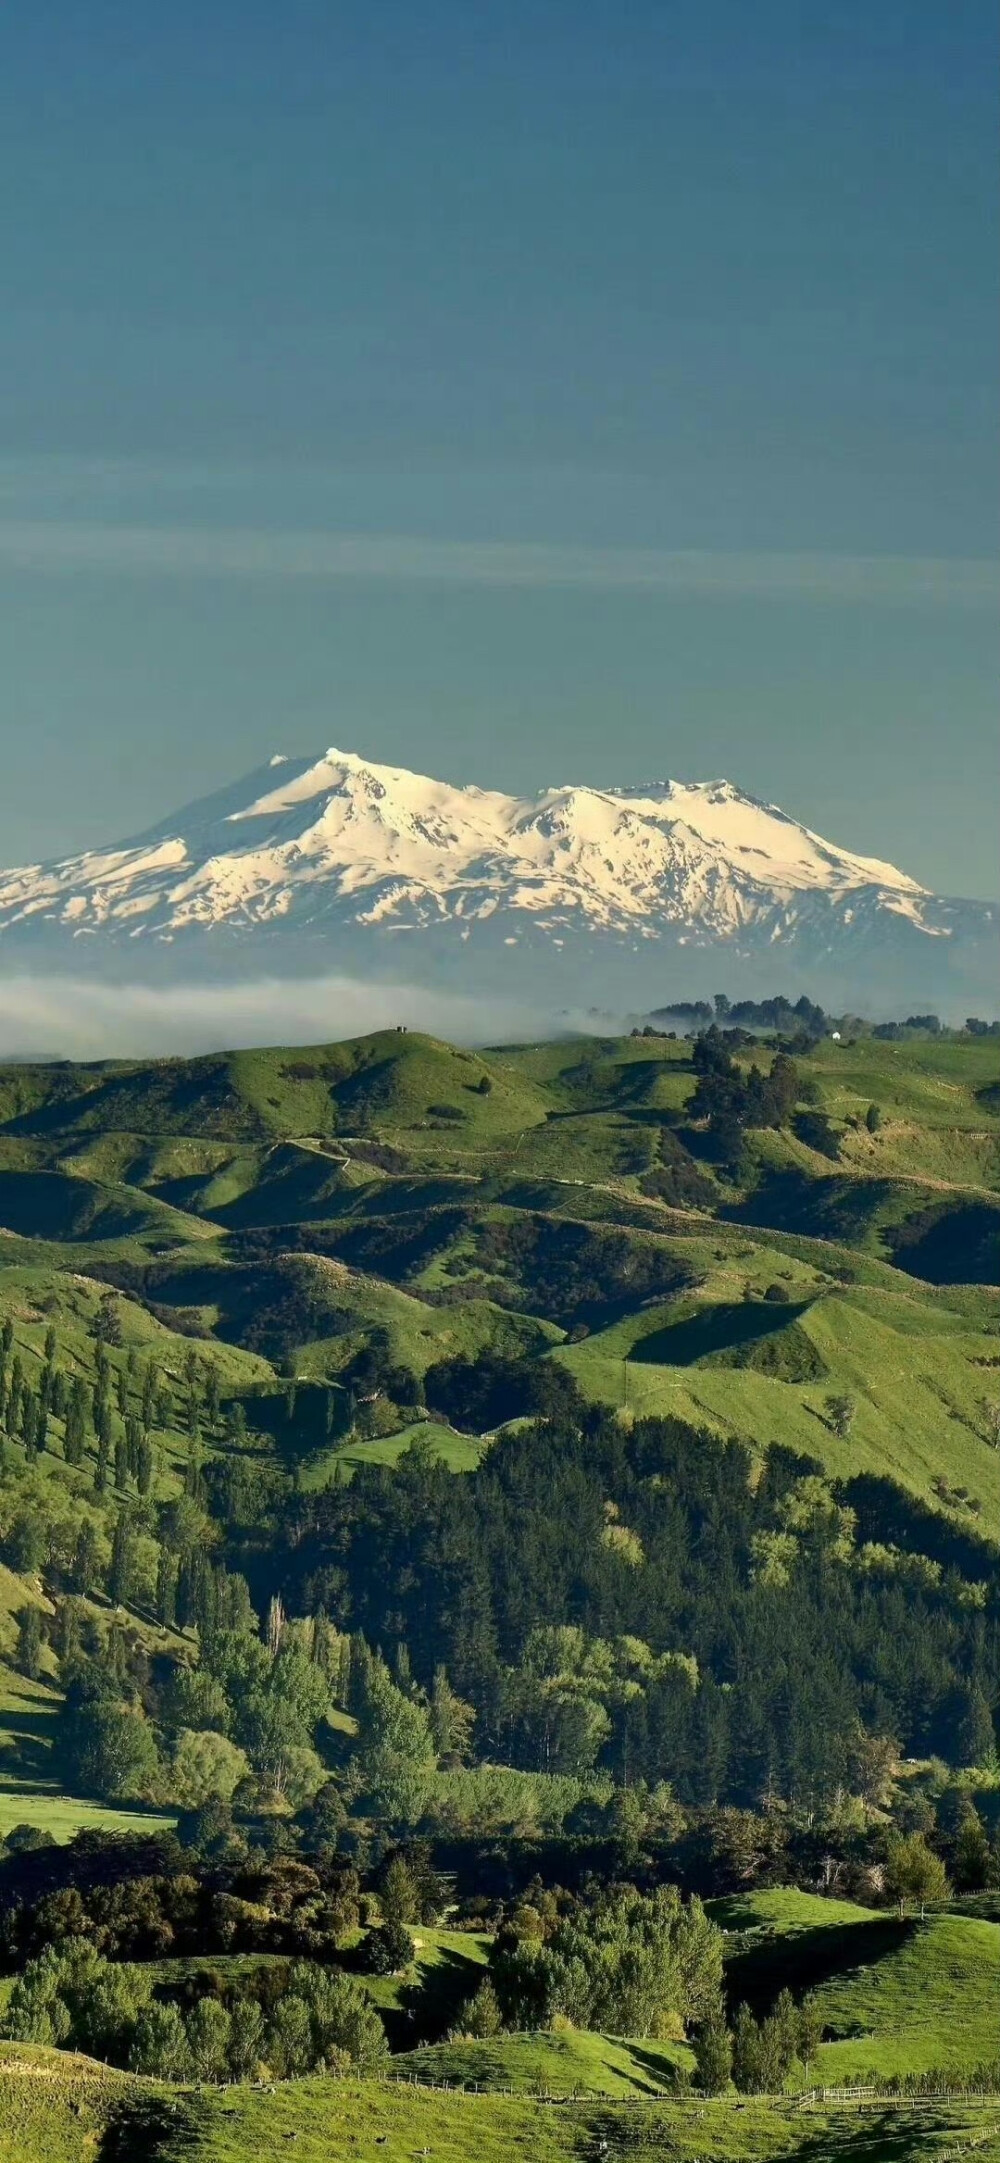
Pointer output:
349, 854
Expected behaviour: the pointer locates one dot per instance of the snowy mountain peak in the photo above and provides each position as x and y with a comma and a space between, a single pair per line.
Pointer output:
339, 847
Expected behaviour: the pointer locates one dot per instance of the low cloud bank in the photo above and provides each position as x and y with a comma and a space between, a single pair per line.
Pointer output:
59, 1017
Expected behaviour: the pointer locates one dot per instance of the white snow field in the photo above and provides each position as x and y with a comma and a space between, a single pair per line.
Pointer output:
343, 852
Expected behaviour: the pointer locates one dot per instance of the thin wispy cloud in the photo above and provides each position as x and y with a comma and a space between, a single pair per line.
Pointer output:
57, 547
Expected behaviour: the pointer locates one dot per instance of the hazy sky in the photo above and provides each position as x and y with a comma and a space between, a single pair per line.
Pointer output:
527, 392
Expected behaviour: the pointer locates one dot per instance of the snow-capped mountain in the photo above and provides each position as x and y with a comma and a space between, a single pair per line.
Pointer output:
341, 862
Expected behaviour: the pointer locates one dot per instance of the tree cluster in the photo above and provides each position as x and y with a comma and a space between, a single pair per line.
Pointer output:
731, 1101
323, 2021
626, 1963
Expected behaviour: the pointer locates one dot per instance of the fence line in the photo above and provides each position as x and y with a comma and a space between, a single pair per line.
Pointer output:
870, 2097
896, 2095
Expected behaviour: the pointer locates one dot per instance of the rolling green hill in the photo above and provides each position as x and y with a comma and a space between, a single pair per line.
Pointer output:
336, 1331
895, 1995
535, 1201
276, 1213
560, 2064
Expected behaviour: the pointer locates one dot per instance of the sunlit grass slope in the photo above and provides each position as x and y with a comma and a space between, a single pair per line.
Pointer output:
333, 2121
919, 1377
563, 2064
896, 1995
56, 2108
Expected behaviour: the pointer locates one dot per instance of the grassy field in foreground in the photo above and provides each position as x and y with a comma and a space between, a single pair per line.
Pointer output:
346, 2122
57, 2108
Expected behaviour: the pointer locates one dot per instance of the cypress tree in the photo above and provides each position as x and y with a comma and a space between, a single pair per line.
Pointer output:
86, 1566
66, 1635
321, 1645
29, 1642
122, 1561
236, 1425
133, 1439
747, 2057
14, 1387
77, 1411
186, 1591
206, 1599
116, 1655
166, 1588
29, 1424
193, 1483
108, 1327
101, 1466
6, 1342
975, 1740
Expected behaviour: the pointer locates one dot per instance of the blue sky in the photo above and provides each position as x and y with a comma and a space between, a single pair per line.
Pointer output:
523, 392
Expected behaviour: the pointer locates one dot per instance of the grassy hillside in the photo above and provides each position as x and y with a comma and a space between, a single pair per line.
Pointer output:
895, 1995
286, 1204
919, 1375
895, 1998
931, 2001
559, 2064
58, 2109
